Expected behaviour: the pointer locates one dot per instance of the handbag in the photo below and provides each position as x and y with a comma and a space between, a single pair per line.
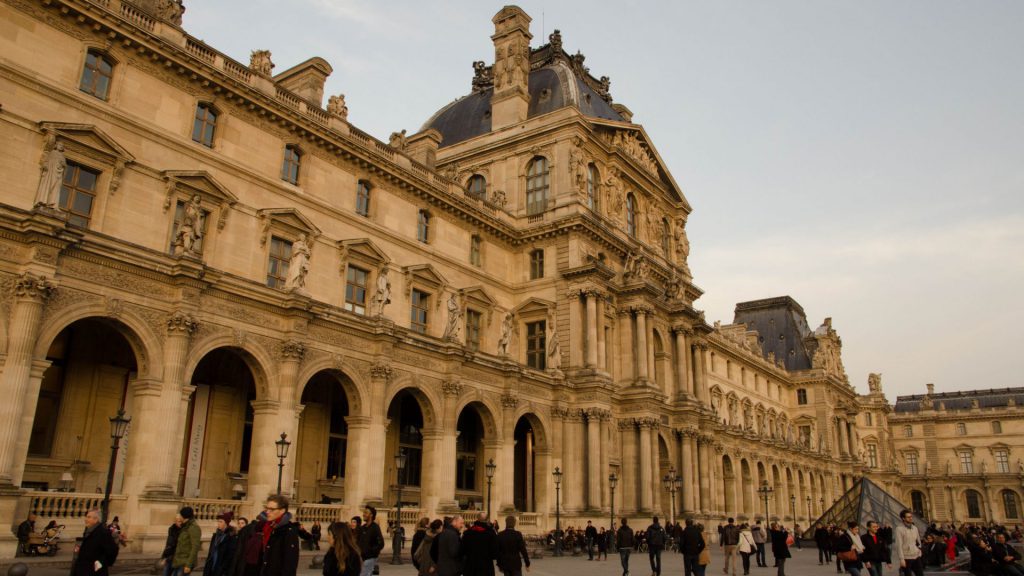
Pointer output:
847, 556
705, 557
789, 540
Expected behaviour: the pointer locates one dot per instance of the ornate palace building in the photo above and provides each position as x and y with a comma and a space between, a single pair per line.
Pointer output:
207, 246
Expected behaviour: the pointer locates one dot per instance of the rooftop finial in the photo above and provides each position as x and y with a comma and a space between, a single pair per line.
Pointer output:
556, 40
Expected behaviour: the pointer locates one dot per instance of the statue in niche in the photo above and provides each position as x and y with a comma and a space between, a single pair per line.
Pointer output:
451, 330
506, 334
190, 230
298, 266
53, 167
578, 166
260, 62
336, 107
682, 244
382, 297
616, 193
673, 288
554, 349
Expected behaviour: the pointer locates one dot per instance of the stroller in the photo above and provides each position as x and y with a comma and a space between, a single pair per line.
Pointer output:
45, 543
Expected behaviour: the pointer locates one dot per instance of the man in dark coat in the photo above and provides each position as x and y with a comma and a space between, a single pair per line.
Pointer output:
25, 530
280, 537
370, 540
591, 536
625, 541
479, 547
691, 545
97, 552
221, 553
1006, 557
449, 549
875, 546
822, 539
167, 556
249, 548
512, 554
656, 537
780, 549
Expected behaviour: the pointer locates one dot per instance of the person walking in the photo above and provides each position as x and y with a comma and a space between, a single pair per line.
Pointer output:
370, 539
602, 544
342, 558
907, 545
730, 539
422, 558
280, 537
747, 547
691, 545
760, 537
590, 534
821, 538
97, 551
222, 547
875, 549
417, 539
479, 547
780, 548
186, 553
512, 554
655, 536
249, 548
316, 532
849, 549
624, 540
449, 548
796, 536
167, 556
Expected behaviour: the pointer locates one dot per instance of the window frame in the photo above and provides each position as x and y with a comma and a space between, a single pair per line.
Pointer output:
966, 459
536, 344
593, 179
478, 193
274, 281
538, 185
96, 71
872, 454
631, 227
291, 164
997, 427
363, 193
419, 300
70, 190
961, 429
908, 431
423, 226
354, 305
974, 509
1009, 498
536, 264
801, 396
475, 251
913, 467
198, 136
474, 329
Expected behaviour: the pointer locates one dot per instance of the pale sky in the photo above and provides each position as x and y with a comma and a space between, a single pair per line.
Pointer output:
864, 157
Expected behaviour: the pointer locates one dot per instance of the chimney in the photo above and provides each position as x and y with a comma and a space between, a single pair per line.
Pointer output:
422, 147
931, 389
307, 79
511, 99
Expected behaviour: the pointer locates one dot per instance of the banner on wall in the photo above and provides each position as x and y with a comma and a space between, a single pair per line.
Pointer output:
196, 438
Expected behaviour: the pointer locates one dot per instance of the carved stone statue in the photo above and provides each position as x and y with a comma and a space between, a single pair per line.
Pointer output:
382, 297
682, 244
190, 230
635, 266
616, 195
506, 334
556, 40
874, 382
52, 177
398, 141
260, 63
454, 325
673, 288
298, 266
554, 349
481, 76
578, 166
336, 106
170, 10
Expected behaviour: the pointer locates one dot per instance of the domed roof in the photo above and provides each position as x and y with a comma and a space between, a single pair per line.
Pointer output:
556, 80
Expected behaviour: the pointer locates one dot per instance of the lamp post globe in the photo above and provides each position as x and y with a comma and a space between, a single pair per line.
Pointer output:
489, 470
118, 429
557, 475
613, 481
282, 452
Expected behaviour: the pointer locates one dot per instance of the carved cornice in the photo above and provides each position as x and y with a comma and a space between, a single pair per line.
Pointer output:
381, 369
35, 288
597, 414
293, 350
181, 323
509, 401
648, 423
451, 388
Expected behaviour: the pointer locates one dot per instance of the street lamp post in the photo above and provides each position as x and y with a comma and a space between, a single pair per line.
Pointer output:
118, 428
558, 514
808, 511
489, 468
282, 452
672, 481
396, 526
792, 507
613, 480
765, 490
822, 502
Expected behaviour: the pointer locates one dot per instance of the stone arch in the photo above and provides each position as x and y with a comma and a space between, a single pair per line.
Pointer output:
146, 344
539, 424
728, 485
426, 399
489, 415
353, 385
254, 355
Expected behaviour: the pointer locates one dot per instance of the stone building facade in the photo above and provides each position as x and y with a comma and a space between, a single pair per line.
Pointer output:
209, 247
960, 453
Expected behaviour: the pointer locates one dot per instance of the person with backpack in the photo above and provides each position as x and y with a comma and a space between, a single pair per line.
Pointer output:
423, 560
730, 539
625, 541
656, 537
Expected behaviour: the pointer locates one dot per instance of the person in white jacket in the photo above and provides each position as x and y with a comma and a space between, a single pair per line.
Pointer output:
747, 547
907, 546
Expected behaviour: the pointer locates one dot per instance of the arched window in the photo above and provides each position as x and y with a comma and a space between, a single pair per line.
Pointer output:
96, 74
917, 502
204, 125
665, 235
423, 226
363, 198
477, 187
1010, 508
537, 186
592, 179
290, 166
631, 215
973, 503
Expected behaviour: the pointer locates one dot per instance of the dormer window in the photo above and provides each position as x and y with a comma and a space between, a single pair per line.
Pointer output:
477, 187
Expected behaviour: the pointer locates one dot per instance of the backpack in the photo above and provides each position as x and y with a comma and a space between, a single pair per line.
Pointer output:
656, 536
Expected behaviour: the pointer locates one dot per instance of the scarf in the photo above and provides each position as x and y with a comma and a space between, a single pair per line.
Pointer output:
268, 529
857, 544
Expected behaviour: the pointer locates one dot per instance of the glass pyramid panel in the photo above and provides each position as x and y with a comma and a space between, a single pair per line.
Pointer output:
864, 501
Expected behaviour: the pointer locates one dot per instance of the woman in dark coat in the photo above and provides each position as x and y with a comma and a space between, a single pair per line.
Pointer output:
780, 549
850, 541
221, 553
343, 545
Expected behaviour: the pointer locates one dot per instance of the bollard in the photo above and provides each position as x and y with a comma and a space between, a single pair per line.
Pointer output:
18, 569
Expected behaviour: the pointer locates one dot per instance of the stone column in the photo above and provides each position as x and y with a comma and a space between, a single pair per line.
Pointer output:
703, 449
591, 343
447, 453
573, 485
593, 459
263, 454
576, 335
292, 353
505, 455
688, 472
602, 352
626, 371
530, 472
628, 488
655, 468
604, 467
374, 465
844, 443
714, 463
356, 456
28, 417
652, 366
684, 382
435, 471
642, 373
30, 294
646, 487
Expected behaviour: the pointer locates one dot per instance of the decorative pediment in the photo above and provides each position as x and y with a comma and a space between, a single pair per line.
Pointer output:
533, 305
427, 276
635, 147
364, 250
90, 145
477, 298
192, 182
290, 220
999, 446
963, 448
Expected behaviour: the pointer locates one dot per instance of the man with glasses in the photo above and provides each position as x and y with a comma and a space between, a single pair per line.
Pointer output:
280, 539
907, 547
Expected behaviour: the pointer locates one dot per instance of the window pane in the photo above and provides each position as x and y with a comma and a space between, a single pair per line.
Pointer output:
83, 203
102, 83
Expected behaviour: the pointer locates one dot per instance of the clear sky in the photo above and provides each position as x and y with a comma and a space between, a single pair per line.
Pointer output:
864, 157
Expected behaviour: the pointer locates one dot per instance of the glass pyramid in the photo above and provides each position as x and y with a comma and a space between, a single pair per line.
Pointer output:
865, 501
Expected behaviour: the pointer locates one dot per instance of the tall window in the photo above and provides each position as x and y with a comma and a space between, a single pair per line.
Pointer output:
423, 226
472, 329
917, 502
961, 429
536, 342
420, 307
912, 463
997, 427
801, 396
277, 266
355, 289
96, 75
337, 436
868, 419
872, 456
908, 431
204, 125
666, 233
477, 187
363, 198
474, 250
537, 186
592, 180
179, 214
966, 462
78, 193
631, 215
410, 443
1002, 461
1010, 504
290, 166
536, 264
973, 504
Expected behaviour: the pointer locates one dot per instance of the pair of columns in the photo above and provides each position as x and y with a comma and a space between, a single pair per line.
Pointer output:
585, 459
587, 323
640, 486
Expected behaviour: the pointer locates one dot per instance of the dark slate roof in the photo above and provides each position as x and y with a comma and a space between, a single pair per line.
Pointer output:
552, 86
781, 326
992, 398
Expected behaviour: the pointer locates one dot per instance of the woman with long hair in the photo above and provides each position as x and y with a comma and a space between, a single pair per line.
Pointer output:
343, 558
